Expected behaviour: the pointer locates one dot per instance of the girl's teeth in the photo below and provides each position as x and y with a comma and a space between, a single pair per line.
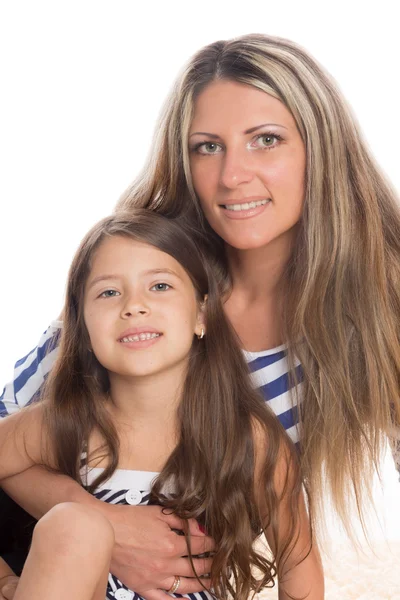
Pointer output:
246, 205
141, 337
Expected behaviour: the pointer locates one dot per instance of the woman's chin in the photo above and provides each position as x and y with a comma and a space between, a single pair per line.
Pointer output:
247, 243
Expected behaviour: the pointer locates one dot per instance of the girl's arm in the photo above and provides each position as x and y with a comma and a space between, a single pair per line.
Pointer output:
303, 573
22, 441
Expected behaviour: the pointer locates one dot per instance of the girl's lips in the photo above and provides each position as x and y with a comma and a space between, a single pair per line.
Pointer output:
244, 214
137, 331
140, 344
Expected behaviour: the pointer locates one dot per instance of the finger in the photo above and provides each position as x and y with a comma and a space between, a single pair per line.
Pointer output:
154, 595
195, 528
200, 545
183, 567
175, 522
187, 585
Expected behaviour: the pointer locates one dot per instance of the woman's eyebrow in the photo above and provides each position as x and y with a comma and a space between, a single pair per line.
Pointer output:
251, 130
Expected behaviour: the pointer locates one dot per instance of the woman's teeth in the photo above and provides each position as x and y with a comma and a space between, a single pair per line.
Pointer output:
246, 205
140, 337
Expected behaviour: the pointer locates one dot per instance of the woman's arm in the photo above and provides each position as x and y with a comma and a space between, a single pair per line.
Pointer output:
30, 372
302, 571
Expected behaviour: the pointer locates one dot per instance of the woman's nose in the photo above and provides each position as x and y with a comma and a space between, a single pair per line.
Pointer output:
235, 169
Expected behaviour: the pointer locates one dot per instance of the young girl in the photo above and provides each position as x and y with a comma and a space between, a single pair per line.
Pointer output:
150, 401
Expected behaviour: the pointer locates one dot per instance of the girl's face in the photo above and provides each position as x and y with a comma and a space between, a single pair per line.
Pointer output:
247, 162
140, 308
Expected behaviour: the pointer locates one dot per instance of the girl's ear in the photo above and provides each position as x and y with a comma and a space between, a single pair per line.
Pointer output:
201, 317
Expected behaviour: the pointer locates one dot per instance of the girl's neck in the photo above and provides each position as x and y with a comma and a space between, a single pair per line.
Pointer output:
149, 399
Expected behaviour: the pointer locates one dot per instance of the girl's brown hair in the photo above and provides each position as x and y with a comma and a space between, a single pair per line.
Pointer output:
343, 279
212, 467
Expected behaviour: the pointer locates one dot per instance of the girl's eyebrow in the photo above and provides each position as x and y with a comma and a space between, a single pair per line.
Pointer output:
162, 270
251, 130
102, 278
149, 272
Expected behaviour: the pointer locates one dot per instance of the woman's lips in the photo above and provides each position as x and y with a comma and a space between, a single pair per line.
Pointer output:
247, 209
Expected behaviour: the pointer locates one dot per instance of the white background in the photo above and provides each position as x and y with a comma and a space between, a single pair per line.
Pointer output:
81, 86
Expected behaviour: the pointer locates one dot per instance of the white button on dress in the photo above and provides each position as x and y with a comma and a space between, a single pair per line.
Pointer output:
133, 497
123, 594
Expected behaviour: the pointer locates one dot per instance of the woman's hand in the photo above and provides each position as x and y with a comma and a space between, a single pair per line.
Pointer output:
148, 554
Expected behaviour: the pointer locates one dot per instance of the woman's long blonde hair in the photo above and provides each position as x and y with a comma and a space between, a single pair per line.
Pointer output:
342, 314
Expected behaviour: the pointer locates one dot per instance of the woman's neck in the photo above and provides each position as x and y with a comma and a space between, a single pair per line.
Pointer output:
255, 304
258, 273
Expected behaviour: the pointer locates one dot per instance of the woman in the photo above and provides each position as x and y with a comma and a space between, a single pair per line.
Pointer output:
257, 145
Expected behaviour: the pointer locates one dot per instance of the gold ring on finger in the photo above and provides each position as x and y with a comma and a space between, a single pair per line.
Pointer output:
175, 585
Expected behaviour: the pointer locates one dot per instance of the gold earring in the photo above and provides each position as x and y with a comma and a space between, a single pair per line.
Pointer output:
200, 337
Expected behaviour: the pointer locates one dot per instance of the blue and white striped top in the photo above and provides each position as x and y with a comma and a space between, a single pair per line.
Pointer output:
269, 373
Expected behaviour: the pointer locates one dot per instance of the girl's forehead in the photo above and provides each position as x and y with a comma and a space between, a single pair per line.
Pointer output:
125, 254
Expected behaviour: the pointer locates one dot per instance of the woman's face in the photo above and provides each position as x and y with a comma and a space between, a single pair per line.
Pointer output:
247, 161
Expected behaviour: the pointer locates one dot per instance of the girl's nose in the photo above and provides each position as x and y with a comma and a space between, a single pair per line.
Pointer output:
135, 307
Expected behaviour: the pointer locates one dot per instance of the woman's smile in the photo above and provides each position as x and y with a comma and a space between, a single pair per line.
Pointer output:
245, 209
248, 169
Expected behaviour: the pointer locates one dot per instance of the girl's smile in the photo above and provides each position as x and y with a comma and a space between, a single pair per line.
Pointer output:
139, 337
140, 309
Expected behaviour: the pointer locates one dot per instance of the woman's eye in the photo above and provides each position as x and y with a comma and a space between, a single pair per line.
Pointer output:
207, 148
266, 140
109, 294
160, 287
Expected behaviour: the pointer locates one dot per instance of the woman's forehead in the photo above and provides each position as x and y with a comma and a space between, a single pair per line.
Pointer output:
245, 106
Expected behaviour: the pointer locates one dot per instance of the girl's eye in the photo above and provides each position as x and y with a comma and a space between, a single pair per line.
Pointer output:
109, 294
160, 287
266, 140
207, 148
